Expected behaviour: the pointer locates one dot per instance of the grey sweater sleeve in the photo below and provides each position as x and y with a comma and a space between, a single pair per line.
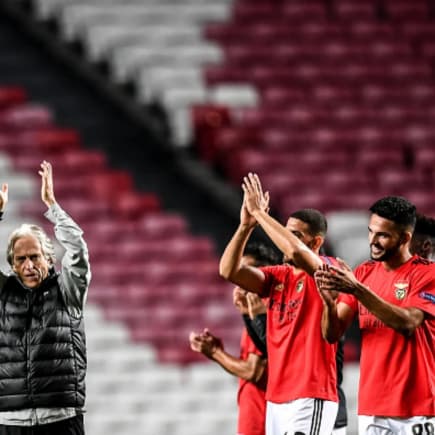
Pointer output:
75, 273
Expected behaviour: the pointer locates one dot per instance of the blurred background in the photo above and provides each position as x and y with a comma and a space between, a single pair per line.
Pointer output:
151, 112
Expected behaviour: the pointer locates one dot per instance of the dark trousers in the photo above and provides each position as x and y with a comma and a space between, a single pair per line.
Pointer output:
70, 426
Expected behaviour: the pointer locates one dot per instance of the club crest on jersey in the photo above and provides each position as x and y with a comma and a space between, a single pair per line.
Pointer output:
401, 289
279, 287
299, 286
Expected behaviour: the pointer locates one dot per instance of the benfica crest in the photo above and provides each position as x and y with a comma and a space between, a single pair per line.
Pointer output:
400, 289
300, 285
279, 287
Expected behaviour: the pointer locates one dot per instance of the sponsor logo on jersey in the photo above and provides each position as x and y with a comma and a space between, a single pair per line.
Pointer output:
300, 285
401, 289
279, 287
428, 296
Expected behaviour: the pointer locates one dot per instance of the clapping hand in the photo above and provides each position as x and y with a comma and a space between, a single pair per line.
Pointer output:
254, 197
3, 197
335, 279
256, 305
240, 301
47, 191
205, 343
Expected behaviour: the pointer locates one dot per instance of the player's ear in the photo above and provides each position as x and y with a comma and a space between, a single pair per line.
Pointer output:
406, 237
317, 242
427, 248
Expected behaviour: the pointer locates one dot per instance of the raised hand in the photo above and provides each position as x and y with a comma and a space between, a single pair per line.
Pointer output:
3, 197
245, 217
254, 197
255, 305
240, 301
47, 191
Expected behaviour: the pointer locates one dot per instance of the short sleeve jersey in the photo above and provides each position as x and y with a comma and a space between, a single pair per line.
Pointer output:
397, 373
251, 396
301, 362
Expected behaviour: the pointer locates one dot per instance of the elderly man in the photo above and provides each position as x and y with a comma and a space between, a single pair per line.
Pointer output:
42, 338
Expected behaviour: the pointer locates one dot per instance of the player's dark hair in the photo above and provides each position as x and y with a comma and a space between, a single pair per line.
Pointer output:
263, 255
316, 221
424, 226
396, 209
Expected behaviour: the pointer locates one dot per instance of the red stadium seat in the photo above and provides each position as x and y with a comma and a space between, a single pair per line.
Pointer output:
403, 10
161, 225
12, 95
25, 117
134, 205
354, 10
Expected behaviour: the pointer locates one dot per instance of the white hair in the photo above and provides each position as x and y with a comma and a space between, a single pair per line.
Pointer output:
47, 246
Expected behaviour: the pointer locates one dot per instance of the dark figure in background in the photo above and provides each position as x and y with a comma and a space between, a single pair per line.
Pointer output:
42, 337
423, 239
251, 366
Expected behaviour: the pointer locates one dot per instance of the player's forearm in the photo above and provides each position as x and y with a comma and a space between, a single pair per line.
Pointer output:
237, 367
403, 320
230, 260
332, 328
288, 243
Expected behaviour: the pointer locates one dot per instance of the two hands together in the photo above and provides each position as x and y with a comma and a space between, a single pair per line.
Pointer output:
332, 280
246, 302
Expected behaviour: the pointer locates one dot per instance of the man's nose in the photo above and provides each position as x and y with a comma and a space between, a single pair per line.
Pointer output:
28, 264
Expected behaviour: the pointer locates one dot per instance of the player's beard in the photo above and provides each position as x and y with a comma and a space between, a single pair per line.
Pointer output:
387, 254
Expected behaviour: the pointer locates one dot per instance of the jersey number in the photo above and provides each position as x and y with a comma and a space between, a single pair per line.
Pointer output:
423, 429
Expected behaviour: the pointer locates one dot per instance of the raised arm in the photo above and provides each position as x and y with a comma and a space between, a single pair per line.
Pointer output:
289, 244
3, 202
75, 274
3, 197
230, 266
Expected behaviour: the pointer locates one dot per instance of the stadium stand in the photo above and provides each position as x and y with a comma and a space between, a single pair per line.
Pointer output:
331, 102
144, 299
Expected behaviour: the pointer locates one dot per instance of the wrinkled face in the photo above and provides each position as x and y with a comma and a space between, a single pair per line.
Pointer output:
28, 261
301, 230
384, 238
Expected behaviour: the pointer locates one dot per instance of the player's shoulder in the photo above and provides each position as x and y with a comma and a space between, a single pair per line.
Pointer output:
422, 262
329, 260
366, 265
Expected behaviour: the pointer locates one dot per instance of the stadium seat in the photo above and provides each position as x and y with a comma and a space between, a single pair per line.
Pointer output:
12, 95
25, 117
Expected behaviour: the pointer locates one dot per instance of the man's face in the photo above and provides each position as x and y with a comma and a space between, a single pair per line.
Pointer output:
301, 230
384, 238
28, 261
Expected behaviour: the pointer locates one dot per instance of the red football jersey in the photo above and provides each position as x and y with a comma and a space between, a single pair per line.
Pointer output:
301, 361
397, 373
251, 397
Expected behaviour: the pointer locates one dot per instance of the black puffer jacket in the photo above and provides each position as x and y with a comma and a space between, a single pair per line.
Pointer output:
42, 348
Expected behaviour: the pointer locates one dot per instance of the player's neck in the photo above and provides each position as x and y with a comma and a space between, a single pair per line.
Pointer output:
397, 261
